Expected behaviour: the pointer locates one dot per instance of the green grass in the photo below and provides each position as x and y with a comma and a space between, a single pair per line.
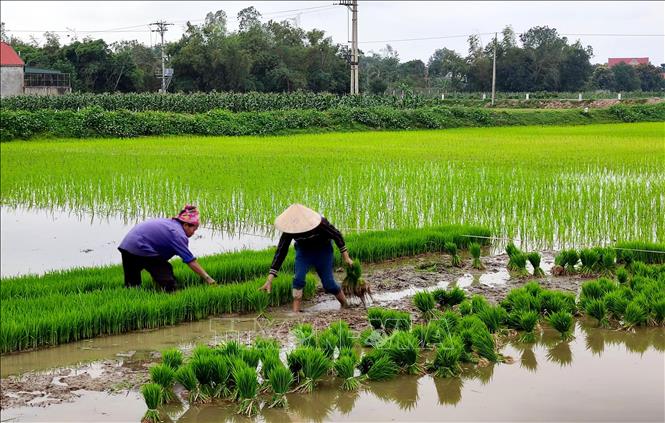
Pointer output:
553, 185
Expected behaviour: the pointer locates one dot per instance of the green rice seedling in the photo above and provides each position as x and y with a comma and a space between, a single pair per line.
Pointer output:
446, 362
527, 321
424, 301
152, 394
563, 322
230, 349
370, 337
295, 360
646, 252
202, 351
635, 315
395, 320
268, 362
589, 259
280, 380
479, 303
622, 275
326, 341
627, 257
187, 378
465, 308
455, 296
220, 376
447, 323
164, 376
315, 365
344, 368
375, 317
455, 259
304, 333
533, 288
427, 334
259, 301
474, 249
597, 309
404, 350
519, 264
172, 357
592, 290
560, 260
511, 249
354, 285
483, 343
349, 352
383, 368
658, 307
251, 356
616, 303
534, 259
369, 358
247, 386
343, 335
204, 369
608, 262
493, 317
572, 258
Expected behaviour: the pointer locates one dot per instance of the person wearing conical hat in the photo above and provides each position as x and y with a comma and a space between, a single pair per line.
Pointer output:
313, 236
150, 244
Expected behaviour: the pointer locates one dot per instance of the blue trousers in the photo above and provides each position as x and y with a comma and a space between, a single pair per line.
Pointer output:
321, 258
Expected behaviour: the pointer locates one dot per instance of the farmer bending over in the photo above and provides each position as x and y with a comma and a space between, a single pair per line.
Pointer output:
312, 234
150, 244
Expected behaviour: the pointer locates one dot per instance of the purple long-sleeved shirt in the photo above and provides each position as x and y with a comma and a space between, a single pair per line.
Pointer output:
163, 238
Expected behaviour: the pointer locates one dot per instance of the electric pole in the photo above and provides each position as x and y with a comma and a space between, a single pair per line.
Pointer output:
161, 28
353, 5
494, 72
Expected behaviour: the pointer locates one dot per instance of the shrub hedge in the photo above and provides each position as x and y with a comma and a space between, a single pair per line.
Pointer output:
96, 122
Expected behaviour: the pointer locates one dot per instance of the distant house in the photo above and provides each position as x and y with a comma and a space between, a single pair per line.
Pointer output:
11, 71
17, 79
632, 61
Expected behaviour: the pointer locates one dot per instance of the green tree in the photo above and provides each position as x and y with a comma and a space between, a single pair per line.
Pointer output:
625, 77
603, 78
650, 77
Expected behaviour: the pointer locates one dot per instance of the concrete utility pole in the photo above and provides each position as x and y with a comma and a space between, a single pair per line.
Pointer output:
494, 72
161, 28
353, 5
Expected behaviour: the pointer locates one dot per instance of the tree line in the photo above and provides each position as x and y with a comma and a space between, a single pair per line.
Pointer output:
279, 57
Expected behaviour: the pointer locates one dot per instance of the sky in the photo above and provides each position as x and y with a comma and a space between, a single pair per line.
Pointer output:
443, 24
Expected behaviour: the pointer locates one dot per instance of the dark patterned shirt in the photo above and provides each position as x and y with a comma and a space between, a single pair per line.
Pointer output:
315, 238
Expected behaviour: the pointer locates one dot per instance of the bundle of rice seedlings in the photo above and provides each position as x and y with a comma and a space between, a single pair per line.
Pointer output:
465, 308
187, 378
152, 394
658, 307
622, 275
424, 301
479, 303
268, 363
446, 362
204, 369
591, 290
519, 264
280, 381
172, 357
343, 334
483, 343
428, 334
202, 351
368, 359
230, 349
382, 369
512, 251
354, 285
395, 320
247, 386
375, 317
251, 356
220, 376
560, 263
572, 258
527, 321
370, 337
607, 262
455, 296
589, 259
493, 317
474, 249
563, 322
344, 368
534, 259
533, 288
314, 366
635, 314
259, 301
349, 352
304, 333
327, 342
404, 350
295, 360
455, 259
597, 309
520, 299
616, 303
164, 376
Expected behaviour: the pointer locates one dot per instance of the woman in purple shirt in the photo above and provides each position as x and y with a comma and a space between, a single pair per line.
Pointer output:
150, 245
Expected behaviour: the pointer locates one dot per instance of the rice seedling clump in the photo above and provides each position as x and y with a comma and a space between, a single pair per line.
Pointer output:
425, 302
404, 350
172, 357
247, 386
455, 259
597, 309
563, 322
164, 376
344, 368
474, 249
446, 362
152, 394
280, 380
314, 365
534, 259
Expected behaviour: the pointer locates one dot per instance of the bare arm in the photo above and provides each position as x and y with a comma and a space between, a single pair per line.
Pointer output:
196, 267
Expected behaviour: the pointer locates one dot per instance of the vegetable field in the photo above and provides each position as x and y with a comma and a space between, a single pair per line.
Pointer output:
551, 186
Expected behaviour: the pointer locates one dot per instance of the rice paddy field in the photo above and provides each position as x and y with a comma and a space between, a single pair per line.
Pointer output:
454, 324
548, 186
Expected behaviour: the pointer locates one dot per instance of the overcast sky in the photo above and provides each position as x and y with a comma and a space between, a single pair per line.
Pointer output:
380, 22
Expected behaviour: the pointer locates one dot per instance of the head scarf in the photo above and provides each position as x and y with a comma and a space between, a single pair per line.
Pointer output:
189, 214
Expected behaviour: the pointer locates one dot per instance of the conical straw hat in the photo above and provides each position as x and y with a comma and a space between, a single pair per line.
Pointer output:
297, 219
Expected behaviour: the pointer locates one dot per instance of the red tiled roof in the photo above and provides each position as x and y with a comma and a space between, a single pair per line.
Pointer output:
8, 56
633, 61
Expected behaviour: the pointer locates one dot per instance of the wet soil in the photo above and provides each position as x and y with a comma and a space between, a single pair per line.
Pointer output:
393, 284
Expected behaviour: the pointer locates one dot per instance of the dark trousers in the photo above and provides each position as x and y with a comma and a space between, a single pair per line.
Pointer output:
160, 270
319, 257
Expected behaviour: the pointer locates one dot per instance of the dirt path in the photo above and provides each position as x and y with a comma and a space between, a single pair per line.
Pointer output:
393, 283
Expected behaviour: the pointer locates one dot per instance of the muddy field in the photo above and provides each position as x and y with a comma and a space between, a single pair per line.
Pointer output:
393, 283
